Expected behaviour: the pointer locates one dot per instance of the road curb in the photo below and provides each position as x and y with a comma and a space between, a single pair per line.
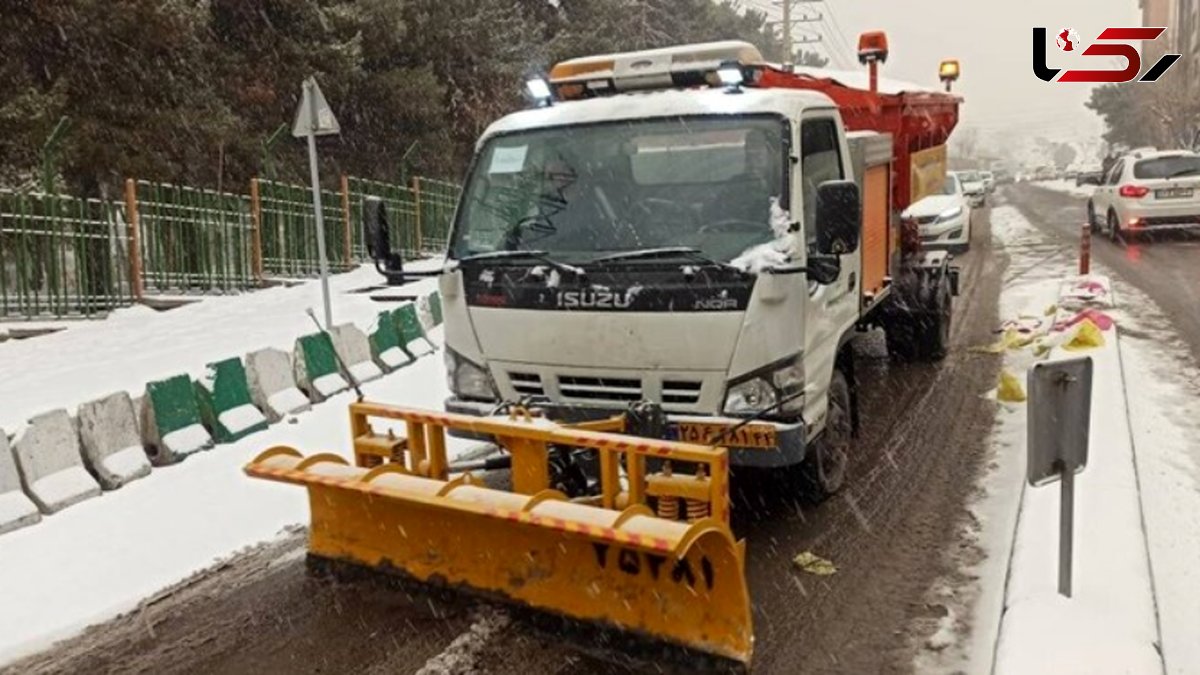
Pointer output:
1110, 619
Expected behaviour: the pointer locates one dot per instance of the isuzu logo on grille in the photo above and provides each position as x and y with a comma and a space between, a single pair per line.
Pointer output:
594, 298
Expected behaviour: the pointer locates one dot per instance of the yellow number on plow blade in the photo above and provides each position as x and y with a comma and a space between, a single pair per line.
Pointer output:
679, 582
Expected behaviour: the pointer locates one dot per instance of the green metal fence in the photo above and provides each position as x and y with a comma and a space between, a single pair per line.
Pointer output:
194, 239
289, 231
401, 215
437, 200
61, 256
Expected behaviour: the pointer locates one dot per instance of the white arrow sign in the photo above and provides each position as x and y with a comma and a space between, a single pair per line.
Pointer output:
320, 122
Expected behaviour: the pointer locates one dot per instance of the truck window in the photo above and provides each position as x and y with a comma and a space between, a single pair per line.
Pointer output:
820, 160
585, 191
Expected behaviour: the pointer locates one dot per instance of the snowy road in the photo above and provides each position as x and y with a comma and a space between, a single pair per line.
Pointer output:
923, 440
1167, 268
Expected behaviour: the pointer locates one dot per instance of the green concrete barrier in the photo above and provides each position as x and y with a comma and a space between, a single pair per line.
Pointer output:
171, 423
225, 403
315, 363
411, 330
386, 347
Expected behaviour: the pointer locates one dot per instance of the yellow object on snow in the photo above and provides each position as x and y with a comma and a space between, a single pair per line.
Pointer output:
1010, 389
814, 564
1087, 335
1051, 310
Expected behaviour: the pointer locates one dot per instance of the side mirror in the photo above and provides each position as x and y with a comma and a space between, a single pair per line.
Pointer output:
379, 243
839, 217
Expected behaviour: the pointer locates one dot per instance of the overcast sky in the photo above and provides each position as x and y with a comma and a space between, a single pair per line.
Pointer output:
993, 42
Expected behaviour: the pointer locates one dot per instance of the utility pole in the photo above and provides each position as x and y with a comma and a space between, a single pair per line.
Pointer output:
787, 24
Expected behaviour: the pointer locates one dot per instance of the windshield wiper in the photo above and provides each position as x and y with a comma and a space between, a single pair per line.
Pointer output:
688, 252
522, 254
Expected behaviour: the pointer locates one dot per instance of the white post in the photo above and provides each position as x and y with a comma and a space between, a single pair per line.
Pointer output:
310, 103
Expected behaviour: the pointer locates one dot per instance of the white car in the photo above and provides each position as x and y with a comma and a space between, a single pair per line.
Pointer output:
944, 219
1148, 191
973, 187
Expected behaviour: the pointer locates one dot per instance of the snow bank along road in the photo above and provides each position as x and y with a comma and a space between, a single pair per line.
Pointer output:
921, 449
1158, 286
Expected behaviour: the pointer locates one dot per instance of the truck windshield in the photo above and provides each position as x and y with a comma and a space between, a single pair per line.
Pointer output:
584, 192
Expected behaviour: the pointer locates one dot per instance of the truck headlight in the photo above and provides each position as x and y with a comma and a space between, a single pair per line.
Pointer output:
750, 397
949, 214
468, 380
764, 390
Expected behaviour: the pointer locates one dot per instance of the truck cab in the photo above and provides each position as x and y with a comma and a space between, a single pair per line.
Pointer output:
683, 238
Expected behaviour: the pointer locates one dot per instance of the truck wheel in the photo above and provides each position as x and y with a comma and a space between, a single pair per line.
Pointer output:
824, 470
934, 340
901, 337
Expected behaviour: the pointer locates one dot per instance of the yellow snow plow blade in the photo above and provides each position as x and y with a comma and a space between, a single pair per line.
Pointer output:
676, 575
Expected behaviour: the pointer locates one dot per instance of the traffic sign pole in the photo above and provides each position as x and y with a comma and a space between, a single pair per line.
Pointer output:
310, 104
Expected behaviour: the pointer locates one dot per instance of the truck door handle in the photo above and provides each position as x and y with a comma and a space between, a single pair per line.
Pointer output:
850, 283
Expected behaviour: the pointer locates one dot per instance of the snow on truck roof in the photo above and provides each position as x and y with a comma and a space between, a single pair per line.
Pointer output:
661, 103
861, 79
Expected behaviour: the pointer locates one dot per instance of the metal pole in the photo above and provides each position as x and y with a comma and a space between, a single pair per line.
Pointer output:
788, 57
1066, 531
310, 102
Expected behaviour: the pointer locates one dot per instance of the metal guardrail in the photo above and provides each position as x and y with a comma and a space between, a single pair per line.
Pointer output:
64, 256
289, 231
194, 239
61, 256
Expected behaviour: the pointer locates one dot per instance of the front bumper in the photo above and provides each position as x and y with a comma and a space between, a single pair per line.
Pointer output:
791, 442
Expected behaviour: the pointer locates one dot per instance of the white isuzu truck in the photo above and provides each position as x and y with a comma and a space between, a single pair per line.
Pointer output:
702, 232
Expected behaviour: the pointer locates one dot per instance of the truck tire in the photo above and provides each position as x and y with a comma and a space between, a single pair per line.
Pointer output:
824, 470
933, 342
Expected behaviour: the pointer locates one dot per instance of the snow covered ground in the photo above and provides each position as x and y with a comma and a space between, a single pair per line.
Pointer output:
1067, 186
102, 557
90, 359
1137, 589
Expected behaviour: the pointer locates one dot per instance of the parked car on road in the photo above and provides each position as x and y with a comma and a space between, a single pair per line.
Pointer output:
973, 187
1150, 191
944, 219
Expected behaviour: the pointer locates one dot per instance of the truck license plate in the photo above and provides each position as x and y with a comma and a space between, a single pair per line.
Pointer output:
749, 436
1173, 193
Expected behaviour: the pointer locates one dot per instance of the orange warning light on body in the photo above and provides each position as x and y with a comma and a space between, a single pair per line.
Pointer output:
872, 46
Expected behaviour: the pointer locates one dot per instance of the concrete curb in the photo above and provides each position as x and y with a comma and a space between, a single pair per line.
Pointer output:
1110, 620
51, 463
112, 446
269, 377
171, 422
225, 404
16, 509
315, 367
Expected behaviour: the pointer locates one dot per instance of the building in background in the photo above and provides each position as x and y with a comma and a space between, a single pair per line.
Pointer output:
1158, 13
1186, 41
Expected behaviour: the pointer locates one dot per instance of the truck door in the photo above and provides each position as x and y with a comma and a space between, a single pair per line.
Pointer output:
831, 309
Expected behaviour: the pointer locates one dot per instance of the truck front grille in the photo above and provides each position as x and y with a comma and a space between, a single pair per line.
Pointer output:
527, 384
599, 389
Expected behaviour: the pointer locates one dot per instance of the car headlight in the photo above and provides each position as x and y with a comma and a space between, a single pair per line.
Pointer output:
782, 381
949, 214
468, 380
